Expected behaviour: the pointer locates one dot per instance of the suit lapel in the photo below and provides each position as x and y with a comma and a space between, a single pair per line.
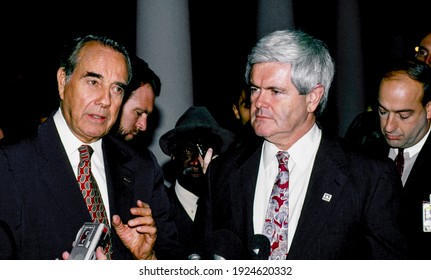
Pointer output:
418, 167
326, 184
248, 189
57, 177
120, 177
243, 179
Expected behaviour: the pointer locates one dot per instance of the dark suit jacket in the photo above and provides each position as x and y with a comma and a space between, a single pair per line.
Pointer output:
361, 221
187, 233
41, 206
416, 190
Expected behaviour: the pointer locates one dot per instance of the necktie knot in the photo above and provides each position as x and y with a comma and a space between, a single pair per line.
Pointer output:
85, 152
282, 157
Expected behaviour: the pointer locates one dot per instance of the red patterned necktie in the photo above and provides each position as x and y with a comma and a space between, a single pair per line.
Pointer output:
399, 161
91, 193
277, 215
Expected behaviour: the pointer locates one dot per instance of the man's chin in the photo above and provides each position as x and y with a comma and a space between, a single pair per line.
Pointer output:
128, 137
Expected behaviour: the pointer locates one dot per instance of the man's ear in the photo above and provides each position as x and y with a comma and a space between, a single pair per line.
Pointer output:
313, 97
61, 81
428, 109
236, 112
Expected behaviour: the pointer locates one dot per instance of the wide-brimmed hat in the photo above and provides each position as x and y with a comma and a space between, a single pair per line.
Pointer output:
195, 118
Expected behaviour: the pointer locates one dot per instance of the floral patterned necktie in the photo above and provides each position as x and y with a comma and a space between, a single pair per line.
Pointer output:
277, 215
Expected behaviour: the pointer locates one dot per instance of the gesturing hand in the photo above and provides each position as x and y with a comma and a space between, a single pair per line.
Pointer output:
138, 234
206, 160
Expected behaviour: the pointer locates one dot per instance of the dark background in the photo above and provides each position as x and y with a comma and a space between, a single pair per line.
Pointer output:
222, 33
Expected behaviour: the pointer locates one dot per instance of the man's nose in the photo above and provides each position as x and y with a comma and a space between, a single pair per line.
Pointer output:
141, 124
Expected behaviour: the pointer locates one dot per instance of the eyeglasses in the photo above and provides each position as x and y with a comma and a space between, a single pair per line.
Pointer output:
421, 52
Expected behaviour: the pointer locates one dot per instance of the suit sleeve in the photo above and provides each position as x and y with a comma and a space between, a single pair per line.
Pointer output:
9, 211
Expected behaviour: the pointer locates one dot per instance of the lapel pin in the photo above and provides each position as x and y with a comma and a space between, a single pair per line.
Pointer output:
327, 197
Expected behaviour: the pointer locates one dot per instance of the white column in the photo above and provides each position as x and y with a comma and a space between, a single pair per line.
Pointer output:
163, 40
350, 74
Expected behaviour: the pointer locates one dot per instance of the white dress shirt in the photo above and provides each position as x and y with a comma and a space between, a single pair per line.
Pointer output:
71, 144
410, 155
300, 164
187, 199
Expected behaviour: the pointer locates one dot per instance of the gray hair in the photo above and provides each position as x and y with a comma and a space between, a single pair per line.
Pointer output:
311, 61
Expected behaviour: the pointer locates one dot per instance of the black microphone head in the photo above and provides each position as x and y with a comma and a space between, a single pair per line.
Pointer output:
226, 245
260, 247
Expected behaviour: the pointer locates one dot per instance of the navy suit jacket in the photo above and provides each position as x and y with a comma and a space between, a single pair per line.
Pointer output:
42, 208
361, 221
416, 190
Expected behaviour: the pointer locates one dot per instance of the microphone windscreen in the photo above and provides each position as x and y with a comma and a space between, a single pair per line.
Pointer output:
260, 247
226, 245
194, 256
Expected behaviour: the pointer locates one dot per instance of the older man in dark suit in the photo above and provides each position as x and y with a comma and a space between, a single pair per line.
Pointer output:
329, 202
42, 207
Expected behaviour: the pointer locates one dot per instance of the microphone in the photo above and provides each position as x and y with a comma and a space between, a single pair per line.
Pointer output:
226, 245
260, 247
194, 256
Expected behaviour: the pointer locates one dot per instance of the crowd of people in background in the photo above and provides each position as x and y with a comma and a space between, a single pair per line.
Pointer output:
334, 197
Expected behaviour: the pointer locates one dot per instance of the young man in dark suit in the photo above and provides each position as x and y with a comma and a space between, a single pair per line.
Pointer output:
404, 108
339, 204
144, 88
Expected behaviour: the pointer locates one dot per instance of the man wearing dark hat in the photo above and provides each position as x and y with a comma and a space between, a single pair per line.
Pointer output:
195, 140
